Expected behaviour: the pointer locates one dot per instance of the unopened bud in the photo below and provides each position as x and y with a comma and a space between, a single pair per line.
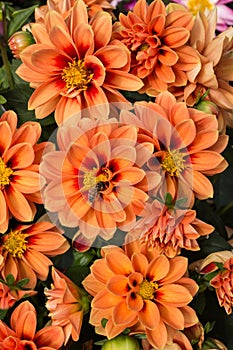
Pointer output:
19, 41
208, 107
121, 342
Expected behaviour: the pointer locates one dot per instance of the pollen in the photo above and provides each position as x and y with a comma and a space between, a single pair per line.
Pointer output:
173, 163
77, 76
91, 178
16, 243
196, 6
147, 289
5, 174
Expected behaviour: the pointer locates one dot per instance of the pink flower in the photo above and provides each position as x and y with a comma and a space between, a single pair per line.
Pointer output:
224, 13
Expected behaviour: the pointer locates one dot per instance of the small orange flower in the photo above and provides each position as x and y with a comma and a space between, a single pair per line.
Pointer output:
187, 145
19, 169
93, 180
157, 42
8, 296
67, 304
222, 282
140, 291
64, 7
215, 52
23, 335
25, 251
169, 229
83, 68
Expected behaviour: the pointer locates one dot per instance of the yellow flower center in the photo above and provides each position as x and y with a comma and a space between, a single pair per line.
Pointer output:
173, 163
5, 174
147, 289
76, 75
16, 244
90, 179
196, 6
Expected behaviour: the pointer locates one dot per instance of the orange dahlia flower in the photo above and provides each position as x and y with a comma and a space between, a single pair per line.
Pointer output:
141, 292
93, 180
157, 42
64, 7
25, 251
67, 304
216, 66
23, 334
187, 145
8, 297
169, 229
83, 66
19, 169
223, 280
178, 341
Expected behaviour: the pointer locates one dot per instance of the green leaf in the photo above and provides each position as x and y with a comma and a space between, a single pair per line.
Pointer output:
3, 313
19, 18
2, 100
209, 327
10, 279
22, 282
83, 259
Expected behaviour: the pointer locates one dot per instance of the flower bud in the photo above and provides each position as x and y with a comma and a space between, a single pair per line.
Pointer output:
19, 41
208, 264
195, 333
121, 342
208, 107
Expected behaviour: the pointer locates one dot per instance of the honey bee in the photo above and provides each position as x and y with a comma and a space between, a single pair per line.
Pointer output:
94, 191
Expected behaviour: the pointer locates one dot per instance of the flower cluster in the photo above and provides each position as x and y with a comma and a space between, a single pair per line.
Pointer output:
114, 221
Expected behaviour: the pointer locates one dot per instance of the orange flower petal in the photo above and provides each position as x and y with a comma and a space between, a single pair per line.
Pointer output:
172, 316
49, 336
157, 337
139, 263
118, 285
149, 315
102, 28
178, 267
105, 300
122, 315
158, 268
18, 204
173, 294
119, 263
134, 301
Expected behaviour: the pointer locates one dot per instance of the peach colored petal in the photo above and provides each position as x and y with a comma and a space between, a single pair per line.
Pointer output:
25, 181
112, 56
149, 315
122, 315
6, 137
178, 267
173, 294
112, 330
11, 118
46, 92
134, 301
202, 186
102, 28
3, 212
25, 327
122, 80
38, 262
105, 300
205, 160
119, 263
92, 285
62, 40
172, 316
190, 317
20, 156
55, 62
118, 285
175, 37
18, 205
158, 268
157, 337
49, 336
139, 263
